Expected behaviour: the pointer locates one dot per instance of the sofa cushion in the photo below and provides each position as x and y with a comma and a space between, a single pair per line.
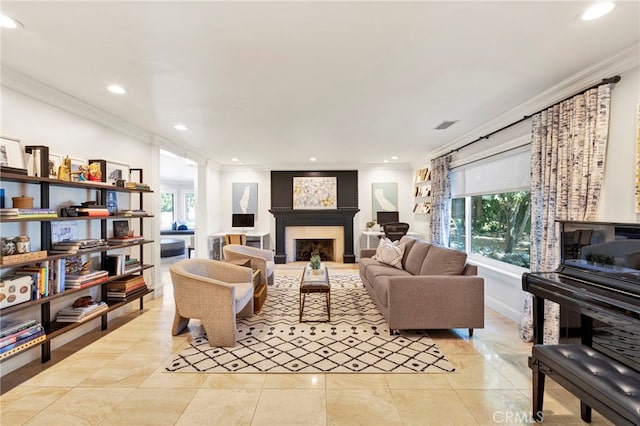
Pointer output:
390, 252
408, 244
374, 272
443, 261
416, 257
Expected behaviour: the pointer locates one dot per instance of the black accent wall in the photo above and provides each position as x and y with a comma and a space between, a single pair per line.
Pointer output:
282, 208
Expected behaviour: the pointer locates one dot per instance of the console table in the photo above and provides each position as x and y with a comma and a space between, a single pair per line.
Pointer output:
251, 236
379, 234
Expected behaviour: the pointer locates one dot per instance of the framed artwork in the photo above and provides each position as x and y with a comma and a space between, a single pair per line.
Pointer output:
384, 197
315, 193
76, 163
244, 198
55, 161
117, 171
64, 231
11, 154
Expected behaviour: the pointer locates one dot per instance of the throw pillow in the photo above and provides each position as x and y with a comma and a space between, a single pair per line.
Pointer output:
390, 253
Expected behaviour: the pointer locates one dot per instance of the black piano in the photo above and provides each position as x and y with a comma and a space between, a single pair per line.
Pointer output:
597, 287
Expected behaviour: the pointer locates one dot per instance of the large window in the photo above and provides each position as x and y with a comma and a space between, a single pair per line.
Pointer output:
501, 226
491, 206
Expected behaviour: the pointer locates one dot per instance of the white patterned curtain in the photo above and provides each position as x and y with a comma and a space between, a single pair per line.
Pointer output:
568, 149
440, 201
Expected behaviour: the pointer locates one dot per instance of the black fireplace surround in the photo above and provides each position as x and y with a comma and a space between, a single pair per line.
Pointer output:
285, 215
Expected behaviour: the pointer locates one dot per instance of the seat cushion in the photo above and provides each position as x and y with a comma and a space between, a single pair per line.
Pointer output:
443, 261
244, 293
374, 272
271, 266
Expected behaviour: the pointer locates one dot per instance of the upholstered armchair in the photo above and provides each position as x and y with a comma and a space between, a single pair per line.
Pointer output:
214, 292
260, 259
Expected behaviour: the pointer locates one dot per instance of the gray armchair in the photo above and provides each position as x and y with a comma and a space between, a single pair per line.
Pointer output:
215, 293
260, 259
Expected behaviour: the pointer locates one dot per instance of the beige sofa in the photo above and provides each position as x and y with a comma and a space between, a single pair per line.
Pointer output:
434, 288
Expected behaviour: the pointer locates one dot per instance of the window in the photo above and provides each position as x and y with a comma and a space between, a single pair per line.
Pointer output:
457, 233
167, 210
190, 208
501, 226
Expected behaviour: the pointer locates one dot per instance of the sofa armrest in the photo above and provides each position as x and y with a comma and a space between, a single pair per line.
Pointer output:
437, 299
367, 252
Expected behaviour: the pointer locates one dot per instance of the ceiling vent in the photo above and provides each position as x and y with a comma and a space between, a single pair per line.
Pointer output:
446, 124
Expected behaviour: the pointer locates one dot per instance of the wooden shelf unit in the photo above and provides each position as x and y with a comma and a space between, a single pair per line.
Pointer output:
53, 328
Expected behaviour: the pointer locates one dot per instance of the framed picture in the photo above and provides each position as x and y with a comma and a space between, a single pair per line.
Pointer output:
116, 171
384, 197
120, 228
76, 163
315, 193
55, 161
244, 198
11, 154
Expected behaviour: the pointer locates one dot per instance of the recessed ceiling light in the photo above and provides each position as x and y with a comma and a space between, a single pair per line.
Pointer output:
597, 10
234, 160
385, 161
9, 22
395, 157
118, 90
313, 159
180, 126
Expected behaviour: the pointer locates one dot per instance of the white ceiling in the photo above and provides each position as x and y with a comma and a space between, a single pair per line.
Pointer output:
274, 83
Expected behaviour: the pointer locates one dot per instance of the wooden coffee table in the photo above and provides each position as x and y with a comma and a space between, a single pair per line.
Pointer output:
312, 283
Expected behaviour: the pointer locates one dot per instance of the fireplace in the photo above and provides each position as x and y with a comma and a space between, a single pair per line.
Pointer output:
314, 224
305, 247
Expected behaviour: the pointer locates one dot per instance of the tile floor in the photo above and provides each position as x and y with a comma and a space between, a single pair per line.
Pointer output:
116, 378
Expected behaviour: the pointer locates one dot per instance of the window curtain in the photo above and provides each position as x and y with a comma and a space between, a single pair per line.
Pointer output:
440, 201
568, 149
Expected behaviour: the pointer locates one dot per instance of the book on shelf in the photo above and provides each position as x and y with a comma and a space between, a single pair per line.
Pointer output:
137, 185
119, 296
37, 337
40, 275
33, 213
126, 284
126, 240
71, 314
130, 213
21, 335
9, 326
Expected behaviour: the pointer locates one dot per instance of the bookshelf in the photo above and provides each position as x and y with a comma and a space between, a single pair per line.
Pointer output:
422, 191
16, 185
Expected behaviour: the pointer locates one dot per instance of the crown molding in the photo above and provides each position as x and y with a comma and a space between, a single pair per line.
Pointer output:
27, 86
618, 63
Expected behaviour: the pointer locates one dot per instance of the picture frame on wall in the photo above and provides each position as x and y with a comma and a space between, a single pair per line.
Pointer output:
244, 198
315, 193
55, 161
116, 171
11, 154
384, 197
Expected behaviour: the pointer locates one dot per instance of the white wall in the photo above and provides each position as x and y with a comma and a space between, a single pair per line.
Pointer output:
39, 123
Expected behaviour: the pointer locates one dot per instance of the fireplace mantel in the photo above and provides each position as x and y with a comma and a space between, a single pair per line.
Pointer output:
290, 217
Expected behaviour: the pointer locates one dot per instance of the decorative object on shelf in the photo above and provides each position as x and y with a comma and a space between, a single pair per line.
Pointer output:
370, 224
423, 175
120, 228
23, 244
116, 171
64, 170
75, 168
11, 156
384, 197
38, 160
55, 161
102, 166
22, 202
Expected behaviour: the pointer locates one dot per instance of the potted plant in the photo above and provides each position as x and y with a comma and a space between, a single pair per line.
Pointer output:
315, 263
591, 258
370, 224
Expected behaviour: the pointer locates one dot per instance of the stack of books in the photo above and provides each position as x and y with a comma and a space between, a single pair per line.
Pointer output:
137, 185
126, 288
15, 333
75, 246
85, 280
126, 240
71, 314
34, 213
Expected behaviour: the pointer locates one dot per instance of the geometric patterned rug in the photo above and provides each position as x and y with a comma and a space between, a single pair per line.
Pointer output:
356, 340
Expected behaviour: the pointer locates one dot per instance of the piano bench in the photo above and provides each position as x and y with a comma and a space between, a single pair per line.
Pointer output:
600, 382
